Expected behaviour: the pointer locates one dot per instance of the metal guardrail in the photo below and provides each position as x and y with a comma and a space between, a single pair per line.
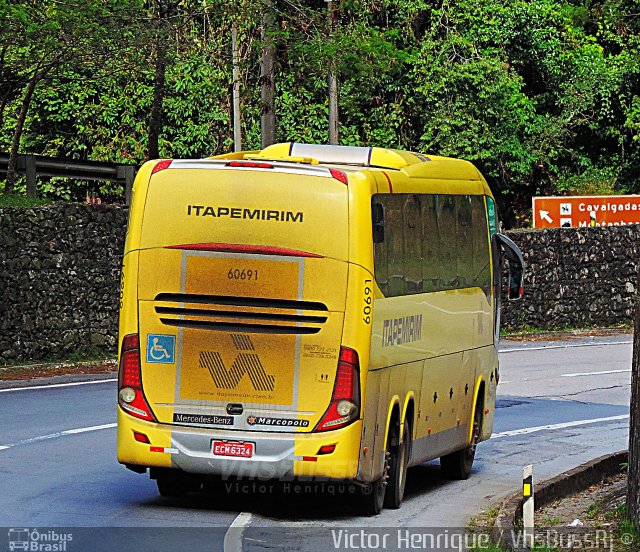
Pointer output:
39, 165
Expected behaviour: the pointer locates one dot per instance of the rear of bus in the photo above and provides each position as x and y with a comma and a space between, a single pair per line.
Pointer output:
233, 356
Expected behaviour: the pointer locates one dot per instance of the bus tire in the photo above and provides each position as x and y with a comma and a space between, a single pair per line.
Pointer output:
175, 484
398, 463
458, 464
374, 494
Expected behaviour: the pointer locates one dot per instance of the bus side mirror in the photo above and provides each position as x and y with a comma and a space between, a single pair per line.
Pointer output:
516, 282
510, 251
377, 217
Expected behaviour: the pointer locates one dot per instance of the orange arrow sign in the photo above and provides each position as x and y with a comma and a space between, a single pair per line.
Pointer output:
584, 211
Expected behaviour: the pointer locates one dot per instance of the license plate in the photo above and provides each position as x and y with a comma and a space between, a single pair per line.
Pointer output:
233, 448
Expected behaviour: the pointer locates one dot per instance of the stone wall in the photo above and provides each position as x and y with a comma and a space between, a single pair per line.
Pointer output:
576, 278
59, 273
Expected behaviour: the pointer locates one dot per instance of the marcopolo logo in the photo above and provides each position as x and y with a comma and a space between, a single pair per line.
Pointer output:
39, 540
286, 422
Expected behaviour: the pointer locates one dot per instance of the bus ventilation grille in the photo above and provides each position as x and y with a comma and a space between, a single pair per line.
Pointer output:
240, 314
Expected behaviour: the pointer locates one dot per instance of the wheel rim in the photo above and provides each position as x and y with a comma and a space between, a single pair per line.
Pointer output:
470, 453
382, 487
403, 458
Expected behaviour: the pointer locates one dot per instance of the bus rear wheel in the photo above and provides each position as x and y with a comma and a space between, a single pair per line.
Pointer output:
399, 462
374, 494
175, 484
457, 465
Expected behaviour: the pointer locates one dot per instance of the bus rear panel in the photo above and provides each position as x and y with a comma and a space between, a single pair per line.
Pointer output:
238, 316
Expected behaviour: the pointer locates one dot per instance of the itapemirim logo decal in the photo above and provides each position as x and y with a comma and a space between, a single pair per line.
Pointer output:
245, 363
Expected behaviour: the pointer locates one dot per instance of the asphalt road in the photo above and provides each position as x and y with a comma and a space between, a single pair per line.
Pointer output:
561, 404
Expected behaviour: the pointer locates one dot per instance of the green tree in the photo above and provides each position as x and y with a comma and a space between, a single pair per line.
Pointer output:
42, 40
543, 95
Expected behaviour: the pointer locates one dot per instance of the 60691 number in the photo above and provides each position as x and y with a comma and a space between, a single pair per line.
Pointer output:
366, 310
242, 274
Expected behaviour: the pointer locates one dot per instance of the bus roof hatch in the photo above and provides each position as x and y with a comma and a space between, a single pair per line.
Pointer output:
343, 155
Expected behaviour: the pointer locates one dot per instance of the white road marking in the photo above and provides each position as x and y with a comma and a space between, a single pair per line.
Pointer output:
521, 349
233, 536
564, 425
56, 435
577, 374
72, 384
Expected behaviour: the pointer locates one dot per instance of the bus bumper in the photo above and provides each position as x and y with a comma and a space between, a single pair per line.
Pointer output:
278, 455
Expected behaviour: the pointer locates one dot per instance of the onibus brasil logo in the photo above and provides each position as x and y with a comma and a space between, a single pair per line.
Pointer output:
38, 541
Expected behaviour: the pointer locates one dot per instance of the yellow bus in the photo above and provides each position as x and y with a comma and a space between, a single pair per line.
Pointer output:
324, 313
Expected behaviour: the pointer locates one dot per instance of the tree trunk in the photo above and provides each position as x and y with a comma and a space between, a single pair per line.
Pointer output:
155, 121
17, 133
267, 77
6, 87
237, 128
633, 483
3, 107
334, 133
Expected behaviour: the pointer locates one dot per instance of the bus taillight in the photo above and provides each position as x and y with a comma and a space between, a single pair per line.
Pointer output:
345, 399
161, 166
130, 395
341, 176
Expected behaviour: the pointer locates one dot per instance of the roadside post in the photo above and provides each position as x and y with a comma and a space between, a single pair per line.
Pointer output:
30, 172
633, 475
527, 505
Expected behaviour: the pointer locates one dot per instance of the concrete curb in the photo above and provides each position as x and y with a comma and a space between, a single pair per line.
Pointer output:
556, 335
60, 364
72, 372
57, 380
565, 484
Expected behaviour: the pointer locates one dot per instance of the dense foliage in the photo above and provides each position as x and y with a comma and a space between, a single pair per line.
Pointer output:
543, 95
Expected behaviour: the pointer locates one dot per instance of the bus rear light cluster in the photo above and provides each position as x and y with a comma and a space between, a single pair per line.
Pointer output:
339, 175
161, 166
130, 395
141, 437
345, 399
249, 165
326, 449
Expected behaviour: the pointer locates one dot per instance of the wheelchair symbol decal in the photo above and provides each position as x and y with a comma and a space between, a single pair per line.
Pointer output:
161, 349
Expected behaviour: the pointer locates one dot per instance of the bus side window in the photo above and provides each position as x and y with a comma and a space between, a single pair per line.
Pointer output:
432, 242
481, 272
377, 220
412, 244
431, 268
464, 250
448, 241
394, 225
380, 249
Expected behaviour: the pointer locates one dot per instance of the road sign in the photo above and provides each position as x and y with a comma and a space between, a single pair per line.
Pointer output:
583, 211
